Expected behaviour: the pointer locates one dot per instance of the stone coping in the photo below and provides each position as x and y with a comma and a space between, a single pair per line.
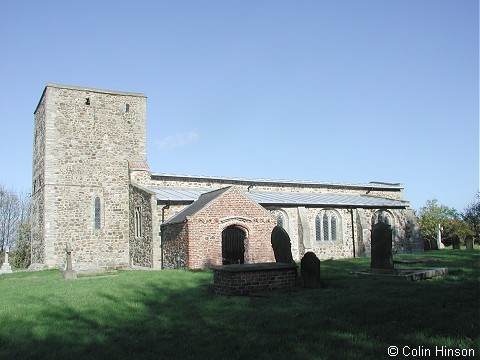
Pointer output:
406, 274
90, 89
415, 260
254, 267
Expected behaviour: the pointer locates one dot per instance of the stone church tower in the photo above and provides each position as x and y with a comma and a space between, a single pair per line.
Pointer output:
83, 141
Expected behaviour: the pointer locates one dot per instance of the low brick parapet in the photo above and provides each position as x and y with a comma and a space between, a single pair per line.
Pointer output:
245, 279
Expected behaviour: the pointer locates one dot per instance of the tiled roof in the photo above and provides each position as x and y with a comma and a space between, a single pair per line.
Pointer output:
138, 165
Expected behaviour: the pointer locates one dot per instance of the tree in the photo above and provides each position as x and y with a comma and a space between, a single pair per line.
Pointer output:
471, 215
21, 253
15, 225
10, 211
433, 215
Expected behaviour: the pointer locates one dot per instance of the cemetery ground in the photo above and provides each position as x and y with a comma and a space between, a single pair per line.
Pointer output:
174, 314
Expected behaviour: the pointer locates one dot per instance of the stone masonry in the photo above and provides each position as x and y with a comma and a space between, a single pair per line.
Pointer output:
83, 140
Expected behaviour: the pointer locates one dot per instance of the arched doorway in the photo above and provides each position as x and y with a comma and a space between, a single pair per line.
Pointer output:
233, 245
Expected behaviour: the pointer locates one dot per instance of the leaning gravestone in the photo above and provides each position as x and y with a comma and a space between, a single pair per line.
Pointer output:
281, 246
310, 270
381, 257
469, 242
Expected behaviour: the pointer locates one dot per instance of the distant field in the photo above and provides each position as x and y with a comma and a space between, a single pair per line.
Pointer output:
175, 315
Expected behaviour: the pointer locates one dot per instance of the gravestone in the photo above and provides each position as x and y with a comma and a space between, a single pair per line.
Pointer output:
382, 257
69, 274
426, 245
281, 246
455, 243
6, 268
469, 242
310, 271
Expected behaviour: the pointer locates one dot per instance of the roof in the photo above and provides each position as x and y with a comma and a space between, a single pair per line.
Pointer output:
138, 165
281, 198
199, 204
240, 180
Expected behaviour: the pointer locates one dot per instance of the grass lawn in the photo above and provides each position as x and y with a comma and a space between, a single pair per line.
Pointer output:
174, 315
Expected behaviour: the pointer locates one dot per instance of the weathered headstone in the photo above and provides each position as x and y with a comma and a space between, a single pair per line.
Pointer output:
69, 274
455, 243
469, 242
382, 257
281, 245
310, 270
6, 268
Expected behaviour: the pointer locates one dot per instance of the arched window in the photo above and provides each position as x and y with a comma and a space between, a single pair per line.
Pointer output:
383, 216
97, 213
282, 218
333, 228
327, 226
138, 222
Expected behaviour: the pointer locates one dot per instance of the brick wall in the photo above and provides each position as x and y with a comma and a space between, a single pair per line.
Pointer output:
232, 208
245, 280
201, 232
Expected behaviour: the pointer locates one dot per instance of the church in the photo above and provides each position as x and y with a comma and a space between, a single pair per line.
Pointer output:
92, 188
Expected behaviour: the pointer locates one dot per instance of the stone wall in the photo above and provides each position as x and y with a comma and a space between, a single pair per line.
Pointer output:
175, 245
88, 138
38, 193
141, 239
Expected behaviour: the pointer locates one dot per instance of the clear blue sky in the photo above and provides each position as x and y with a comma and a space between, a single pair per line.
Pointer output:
344, 90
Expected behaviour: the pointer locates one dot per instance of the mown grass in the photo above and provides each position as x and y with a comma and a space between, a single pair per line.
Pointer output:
174, 314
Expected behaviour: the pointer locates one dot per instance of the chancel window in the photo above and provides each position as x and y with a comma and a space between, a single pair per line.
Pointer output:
138, 222
282, 219
327, 226
382, 216
97, 213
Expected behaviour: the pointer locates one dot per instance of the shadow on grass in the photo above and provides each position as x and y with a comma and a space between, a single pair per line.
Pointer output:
174, 314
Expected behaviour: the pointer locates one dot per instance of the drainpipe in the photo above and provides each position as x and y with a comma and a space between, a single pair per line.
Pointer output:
353, 231
167, 206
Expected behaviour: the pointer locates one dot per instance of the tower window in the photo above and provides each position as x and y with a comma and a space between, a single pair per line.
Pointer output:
127, 107
87, 101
